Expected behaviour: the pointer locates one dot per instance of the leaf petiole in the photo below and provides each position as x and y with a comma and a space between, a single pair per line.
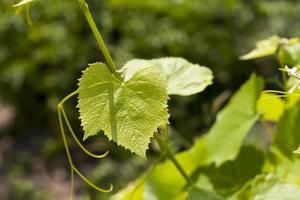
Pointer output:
87, 13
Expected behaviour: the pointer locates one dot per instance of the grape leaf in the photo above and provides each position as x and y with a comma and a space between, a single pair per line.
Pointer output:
268, 187
23, 2
225, 138
263, 48
182, 77
128, 112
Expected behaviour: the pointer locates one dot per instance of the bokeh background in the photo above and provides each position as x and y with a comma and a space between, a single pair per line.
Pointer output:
40, 64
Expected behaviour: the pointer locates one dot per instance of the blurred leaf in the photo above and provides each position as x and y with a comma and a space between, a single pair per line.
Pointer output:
225, 138
269, 187
263, 48
289, 54
287, 138
297, 151
270, 106
232, 175
128, 112
23, 2
197, 193
183, 78
164, 182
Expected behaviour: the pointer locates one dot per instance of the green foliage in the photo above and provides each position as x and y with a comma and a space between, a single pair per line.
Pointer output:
167, 185
128, 112
225, 138
270, 106
285, 139
270, 187
182, 77
263, 48
198, 193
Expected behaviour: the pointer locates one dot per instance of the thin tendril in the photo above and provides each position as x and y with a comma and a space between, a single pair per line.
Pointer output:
274, 91
72, 182
281, 92
90, 183
67, 151
77, 140
72, 167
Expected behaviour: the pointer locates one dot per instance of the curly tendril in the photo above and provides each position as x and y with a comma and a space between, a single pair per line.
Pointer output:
62, 115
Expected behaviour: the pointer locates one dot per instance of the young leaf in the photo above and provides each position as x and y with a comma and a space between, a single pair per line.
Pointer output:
182, 77
128, 112
22, 3
263, 48
225, 138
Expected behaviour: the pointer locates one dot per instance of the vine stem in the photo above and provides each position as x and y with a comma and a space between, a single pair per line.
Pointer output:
164, 148
111, 65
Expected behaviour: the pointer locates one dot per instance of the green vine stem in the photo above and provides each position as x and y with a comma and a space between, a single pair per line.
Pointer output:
164, 148
62, 114
281, 63
111, 65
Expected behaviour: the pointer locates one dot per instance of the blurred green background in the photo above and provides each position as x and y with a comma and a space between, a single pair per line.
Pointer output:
41, 64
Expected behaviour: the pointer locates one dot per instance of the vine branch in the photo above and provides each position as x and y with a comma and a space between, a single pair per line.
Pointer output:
87, 13
164, 148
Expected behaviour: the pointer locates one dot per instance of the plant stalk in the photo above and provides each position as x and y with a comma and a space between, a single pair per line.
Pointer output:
164, 148
87, 13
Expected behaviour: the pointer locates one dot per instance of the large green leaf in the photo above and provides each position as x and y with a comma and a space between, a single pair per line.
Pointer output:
263, 48
23, 2
225, 138
128, 112
182, 77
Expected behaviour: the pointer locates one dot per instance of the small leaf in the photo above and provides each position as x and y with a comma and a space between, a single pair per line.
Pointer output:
263, 48
270, 106
128, 112
182, 77
22, 3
